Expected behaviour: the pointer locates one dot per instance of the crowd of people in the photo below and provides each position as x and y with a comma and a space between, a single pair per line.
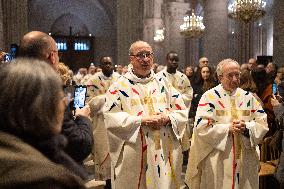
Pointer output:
141, 122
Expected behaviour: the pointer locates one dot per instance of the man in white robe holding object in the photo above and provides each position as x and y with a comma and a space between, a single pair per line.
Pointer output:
98, 84
145, 119
229, 124
181, 83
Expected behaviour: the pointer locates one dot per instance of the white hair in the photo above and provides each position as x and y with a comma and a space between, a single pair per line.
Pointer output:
221, 64
137, 43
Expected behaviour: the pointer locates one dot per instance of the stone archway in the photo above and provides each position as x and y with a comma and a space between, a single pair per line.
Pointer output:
62, 24
84, 16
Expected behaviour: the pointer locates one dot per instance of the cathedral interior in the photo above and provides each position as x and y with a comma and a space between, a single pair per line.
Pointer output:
114, 24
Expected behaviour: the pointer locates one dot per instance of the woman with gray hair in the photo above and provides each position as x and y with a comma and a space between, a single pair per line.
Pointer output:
32, 106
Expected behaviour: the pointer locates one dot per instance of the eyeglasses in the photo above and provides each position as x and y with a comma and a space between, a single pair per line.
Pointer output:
232, 75
142, 55
204, 61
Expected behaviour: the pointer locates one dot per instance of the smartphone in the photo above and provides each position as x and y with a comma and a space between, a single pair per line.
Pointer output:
14, 50
274, 88
7, 57
12, 54
80, 96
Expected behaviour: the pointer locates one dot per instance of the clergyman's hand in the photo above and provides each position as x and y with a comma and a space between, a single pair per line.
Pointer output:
163, 119
237, 126
154, 121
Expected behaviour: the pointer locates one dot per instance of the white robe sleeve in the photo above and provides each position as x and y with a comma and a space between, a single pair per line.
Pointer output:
97, 103
121, 126
187, 93
178, 114
258, 126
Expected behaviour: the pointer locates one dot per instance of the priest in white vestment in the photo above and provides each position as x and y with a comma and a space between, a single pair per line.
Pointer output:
98, 84
229, 124
145, 119
181, 83
178, 80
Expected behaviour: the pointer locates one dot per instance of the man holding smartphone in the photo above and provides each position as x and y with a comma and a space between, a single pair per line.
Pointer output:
39, 45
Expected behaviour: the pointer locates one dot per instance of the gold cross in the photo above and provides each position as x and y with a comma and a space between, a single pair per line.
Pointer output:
236, 114
156, 133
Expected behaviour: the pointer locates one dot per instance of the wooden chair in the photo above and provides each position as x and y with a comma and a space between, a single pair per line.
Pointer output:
269, 158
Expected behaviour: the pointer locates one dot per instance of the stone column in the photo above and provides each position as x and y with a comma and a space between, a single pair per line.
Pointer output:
15, 21
216, 41
2, 44
174, 13
278, 40
192, 51
129, 27
153, 21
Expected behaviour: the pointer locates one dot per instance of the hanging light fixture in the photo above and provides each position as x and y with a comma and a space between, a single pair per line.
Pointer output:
193, 26
159, 35
247, 10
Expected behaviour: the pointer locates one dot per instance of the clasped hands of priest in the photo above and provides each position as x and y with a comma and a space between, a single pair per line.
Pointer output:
237, 126
156, 121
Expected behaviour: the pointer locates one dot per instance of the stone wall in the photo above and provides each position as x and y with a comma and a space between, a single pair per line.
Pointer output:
129, 27
13, 23
278, 40
216, 41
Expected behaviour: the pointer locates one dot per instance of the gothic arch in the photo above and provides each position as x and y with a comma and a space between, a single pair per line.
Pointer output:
62, 24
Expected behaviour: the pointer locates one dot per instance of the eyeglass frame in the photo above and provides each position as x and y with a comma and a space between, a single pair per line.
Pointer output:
231, 75
145, 55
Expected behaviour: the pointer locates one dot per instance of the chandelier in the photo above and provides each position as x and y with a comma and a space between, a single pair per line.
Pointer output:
247, 10
159, 35
193, 26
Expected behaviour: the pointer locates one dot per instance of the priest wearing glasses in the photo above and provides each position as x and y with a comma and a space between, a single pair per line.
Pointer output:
145, 119
229, 123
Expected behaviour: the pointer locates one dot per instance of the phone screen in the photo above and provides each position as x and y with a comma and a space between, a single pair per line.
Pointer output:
80, 96
274, 88
14, 50
7, 57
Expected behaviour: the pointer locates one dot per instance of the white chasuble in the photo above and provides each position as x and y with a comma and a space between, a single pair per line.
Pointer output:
142, 157
98, 84
181, 83
217, 159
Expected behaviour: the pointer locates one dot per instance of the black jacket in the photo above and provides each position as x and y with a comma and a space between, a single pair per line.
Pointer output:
79, 134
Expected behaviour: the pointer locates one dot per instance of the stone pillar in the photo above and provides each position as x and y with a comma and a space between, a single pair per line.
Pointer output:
129, 27
15, 21
153, 21
216, 41
278, 40
174, 13
2, 44
192, 47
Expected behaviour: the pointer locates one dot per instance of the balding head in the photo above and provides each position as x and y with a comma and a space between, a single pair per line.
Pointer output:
252, 63
138, 44
203, 62
141, 58
41, 46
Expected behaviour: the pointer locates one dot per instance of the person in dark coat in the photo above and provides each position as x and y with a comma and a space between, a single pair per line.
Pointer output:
203, 82
39, 45
32, 106
78, 132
